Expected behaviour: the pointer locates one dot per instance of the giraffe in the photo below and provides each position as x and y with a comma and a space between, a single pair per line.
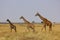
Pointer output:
46, 22
11, 25
29, 25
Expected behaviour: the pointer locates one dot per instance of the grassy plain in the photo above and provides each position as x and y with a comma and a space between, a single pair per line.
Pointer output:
23, 34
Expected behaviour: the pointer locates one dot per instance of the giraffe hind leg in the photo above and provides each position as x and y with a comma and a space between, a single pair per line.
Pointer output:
15, 28
32, 28
28, 29
50, 28
45, 28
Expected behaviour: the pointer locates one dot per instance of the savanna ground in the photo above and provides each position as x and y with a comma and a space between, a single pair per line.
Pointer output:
23, 34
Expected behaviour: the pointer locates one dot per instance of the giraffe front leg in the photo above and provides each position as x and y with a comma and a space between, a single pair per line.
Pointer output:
15, 29
32, 29
10, 29
43, 27
28, 29
50, 28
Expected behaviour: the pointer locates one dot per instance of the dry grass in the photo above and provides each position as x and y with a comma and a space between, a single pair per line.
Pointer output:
23, 34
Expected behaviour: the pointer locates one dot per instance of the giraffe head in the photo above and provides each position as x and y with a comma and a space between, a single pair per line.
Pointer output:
21, 17
41, 21
7, 20
37, 14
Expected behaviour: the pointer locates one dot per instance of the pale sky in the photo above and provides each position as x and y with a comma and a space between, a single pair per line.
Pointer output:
14, 9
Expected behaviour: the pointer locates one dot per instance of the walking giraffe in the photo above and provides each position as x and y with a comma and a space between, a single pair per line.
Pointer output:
11, 25
45, 21
29, 25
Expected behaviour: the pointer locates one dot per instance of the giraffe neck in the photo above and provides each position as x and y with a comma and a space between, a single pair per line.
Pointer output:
41, 17
10, 22
25, 20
